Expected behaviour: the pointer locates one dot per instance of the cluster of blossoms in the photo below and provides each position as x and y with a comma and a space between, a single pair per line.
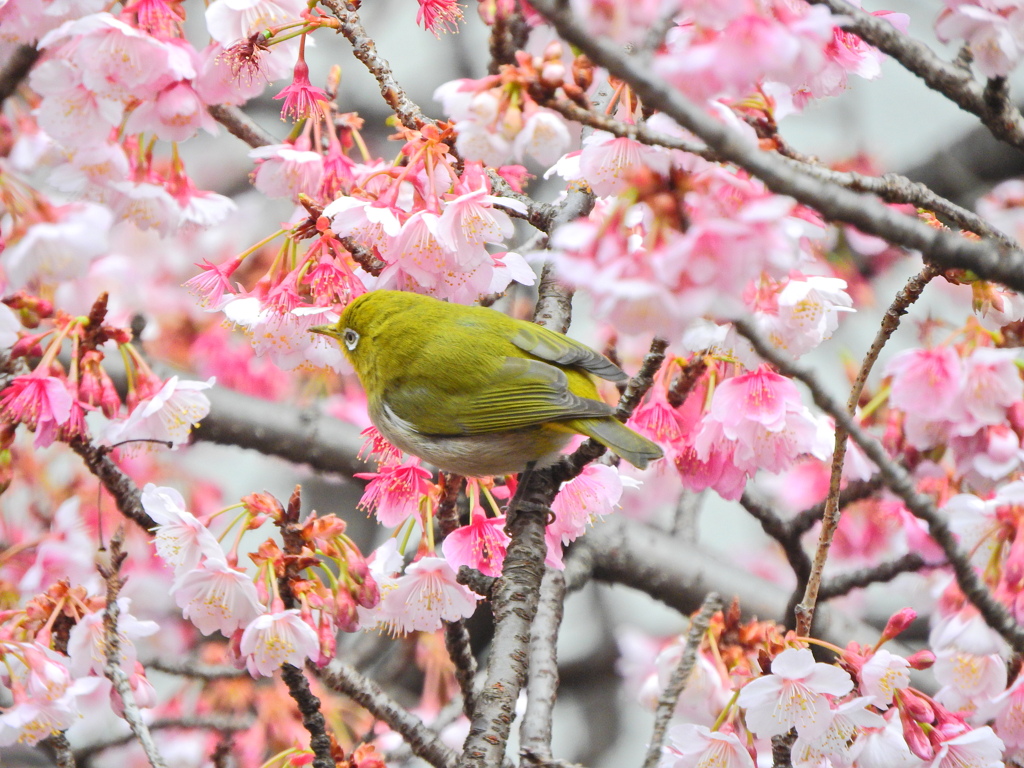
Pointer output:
52, 400
217, 596
860, 711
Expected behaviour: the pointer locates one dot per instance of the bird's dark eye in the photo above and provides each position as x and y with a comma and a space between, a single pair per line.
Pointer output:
351, 338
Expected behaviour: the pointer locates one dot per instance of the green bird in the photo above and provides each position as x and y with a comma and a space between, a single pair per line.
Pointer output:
475, 392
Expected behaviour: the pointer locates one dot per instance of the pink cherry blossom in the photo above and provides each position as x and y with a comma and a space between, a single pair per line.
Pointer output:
231, 20
696, 746
1009, 722
994, 32
424, 596
925, 382
978, 748
991, 384
807, 313
87, 646
116, 60
176, 113
46, 699
885, 747
760, 416
608, 162
882, 675
480, 545
216, 597
592, 494
273, 639
284, 170
69, 112
42, 403
794, 695
396, 492
181, 540
544, 137
847, 721
168, 416
59, 249
439, 15
967, 678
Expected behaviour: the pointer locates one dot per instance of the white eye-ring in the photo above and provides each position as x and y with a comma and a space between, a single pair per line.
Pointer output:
351, 339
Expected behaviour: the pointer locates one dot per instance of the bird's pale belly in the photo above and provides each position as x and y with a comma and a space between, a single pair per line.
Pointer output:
493, 453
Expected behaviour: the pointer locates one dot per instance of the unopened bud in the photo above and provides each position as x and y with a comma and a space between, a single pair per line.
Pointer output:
921, 660
583, 71
898, 622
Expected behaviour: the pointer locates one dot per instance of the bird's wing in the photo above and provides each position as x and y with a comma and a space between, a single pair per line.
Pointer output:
523, 392
556, 348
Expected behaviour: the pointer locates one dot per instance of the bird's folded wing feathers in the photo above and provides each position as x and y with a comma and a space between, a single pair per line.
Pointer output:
560, 349
522, 393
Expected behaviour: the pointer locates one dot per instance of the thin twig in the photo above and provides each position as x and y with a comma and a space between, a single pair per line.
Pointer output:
423, 741
830, 519
242, 126
209, 722
365, 49
194, 669
542, 680
112, 647
126, 493
680, 677
838, 586
994, 108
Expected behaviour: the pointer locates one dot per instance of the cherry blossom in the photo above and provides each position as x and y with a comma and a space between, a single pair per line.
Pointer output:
273, 639
424, 596
693, 746
216, 597
181, 540
395, 493
168, 416
794, 695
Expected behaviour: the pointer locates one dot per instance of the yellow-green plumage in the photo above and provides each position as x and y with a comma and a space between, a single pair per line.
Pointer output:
474, 391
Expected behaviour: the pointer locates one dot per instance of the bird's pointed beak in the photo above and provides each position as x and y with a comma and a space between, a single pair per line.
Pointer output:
326, 330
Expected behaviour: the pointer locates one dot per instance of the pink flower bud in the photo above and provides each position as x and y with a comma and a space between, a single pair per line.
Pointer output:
921, 660
347, 617
898, 622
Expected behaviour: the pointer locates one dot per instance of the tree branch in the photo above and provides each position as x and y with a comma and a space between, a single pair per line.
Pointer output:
944, 249
542, 682
997, 113
423, 742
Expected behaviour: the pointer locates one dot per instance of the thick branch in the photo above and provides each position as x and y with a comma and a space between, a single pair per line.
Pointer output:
17, 69
300, 436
